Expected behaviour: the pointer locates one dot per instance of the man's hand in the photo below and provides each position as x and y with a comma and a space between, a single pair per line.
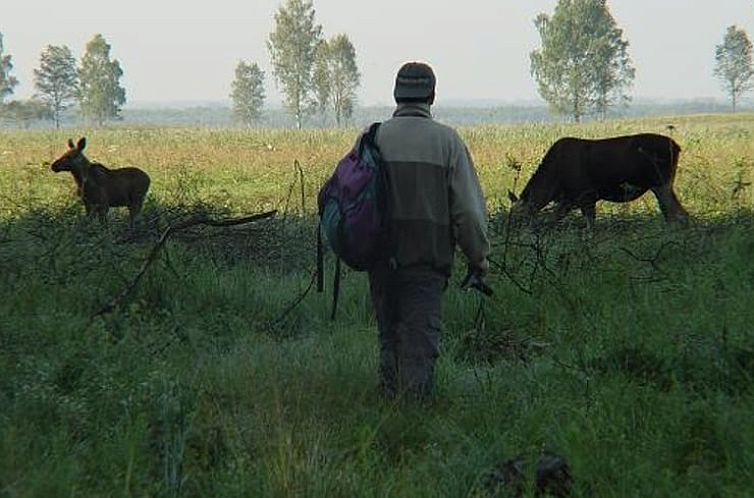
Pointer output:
480, 269
473, 280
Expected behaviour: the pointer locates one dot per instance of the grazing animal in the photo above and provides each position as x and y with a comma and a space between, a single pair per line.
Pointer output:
102, 188
578, 172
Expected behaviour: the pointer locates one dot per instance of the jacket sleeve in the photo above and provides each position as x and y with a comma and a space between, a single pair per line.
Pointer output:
467, 209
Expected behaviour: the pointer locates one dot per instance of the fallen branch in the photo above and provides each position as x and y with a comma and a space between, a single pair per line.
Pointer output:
292, 306
201, 219
510, 276
653, 261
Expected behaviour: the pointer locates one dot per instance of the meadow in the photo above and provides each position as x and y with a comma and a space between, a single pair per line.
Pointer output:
628, 350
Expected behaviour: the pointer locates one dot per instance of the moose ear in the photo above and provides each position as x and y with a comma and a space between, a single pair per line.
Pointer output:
512, 197
82, 143
70, 144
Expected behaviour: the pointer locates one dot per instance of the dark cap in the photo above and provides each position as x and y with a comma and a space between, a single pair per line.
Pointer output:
415, 80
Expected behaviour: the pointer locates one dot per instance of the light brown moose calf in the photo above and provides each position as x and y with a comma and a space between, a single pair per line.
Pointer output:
102, 188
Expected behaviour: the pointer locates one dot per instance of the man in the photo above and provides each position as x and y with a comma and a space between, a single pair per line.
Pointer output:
433, 202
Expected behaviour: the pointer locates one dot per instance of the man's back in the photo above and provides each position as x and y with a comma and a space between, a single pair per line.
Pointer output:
421, 157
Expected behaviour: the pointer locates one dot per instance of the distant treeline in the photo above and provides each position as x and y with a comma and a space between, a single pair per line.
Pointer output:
456, 115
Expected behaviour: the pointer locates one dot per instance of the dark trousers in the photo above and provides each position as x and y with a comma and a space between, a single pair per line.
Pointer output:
407, 307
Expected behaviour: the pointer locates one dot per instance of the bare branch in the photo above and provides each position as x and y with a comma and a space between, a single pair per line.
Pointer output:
201, 219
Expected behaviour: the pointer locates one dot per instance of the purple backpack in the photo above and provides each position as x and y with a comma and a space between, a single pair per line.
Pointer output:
352, 211
351, 205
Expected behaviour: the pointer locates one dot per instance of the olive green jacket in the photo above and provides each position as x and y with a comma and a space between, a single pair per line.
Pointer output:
434, 197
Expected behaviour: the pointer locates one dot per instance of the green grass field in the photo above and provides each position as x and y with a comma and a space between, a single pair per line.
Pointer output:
629, 351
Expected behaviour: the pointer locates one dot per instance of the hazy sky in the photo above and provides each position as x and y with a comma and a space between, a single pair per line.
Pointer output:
183, 50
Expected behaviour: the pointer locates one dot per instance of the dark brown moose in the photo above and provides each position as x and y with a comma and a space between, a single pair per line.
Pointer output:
102, 188
576, 173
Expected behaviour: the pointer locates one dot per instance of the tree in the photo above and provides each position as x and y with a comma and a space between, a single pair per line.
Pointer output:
56, 80
7, 82
247, 93
293, 45
583, 65
616, 74
733, 64
345, 76
100, 94
321, 77
24, 112
336, 76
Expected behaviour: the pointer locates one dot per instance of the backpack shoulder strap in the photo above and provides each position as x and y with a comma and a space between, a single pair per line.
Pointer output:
321, 274
320, 260
335, 288
370, 137
372, 132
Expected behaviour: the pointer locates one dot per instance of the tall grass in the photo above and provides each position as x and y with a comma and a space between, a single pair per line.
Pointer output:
628, 351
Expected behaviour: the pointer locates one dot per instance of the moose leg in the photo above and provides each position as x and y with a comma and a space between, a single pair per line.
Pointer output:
101, 212
562, 209
669, 204
589, 210
133, 212
96, 211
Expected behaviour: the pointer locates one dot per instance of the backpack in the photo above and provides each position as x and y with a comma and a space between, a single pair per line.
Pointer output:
352, 209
